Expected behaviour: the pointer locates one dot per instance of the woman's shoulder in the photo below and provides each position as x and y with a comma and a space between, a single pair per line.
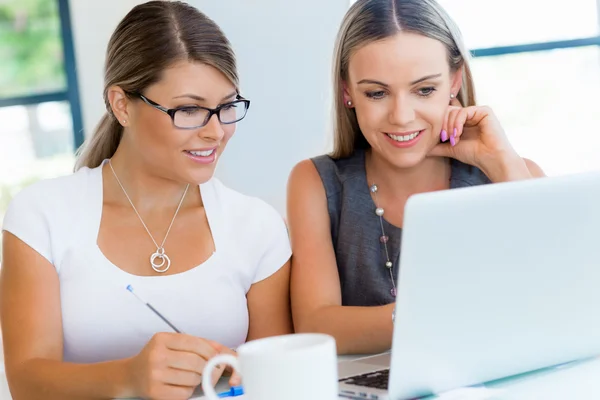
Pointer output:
240, 205
55, 192
337, 173
253, 226
255, 231
42, 214
340, 168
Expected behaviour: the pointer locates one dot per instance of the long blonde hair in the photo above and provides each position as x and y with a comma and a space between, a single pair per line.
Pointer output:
368, 21
150, 38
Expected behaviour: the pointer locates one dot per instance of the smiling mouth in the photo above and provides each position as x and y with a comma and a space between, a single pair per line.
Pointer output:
404, 138
204, 153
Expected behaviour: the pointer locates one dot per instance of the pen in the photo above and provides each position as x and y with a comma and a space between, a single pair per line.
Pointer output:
232, 392
130, 288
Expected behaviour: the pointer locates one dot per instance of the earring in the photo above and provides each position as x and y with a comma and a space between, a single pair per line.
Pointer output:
451, 95
349, 103
124, 121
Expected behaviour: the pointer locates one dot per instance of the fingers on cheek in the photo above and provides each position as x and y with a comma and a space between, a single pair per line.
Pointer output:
444, 134
452, 127
460, 124
454, 137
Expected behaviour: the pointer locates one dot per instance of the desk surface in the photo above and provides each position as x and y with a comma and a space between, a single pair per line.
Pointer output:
578, 380
572, 381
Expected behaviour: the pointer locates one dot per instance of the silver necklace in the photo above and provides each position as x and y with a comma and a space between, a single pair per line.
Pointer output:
159, 260
384, 239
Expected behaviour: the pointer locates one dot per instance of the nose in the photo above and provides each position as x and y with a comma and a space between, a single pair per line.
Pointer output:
402, 112
213, 130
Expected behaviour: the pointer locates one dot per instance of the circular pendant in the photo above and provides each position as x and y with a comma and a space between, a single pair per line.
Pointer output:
160, 261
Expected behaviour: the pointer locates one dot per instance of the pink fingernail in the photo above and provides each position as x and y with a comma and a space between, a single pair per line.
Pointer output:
444, 135
454, 132
452, 141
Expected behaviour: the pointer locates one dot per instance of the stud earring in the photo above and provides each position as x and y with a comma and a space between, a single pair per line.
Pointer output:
349, 103
451, 95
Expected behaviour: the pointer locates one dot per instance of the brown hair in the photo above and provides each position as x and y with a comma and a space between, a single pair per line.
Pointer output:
368, 21
150, 38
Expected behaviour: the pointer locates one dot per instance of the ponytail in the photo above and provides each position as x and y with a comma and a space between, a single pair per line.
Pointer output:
102, 145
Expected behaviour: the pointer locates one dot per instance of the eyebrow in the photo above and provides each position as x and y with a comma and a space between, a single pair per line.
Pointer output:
425, 78
200, 98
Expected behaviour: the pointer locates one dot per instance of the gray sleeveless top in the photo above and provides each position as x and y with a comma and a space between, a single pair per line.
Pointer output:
356, 230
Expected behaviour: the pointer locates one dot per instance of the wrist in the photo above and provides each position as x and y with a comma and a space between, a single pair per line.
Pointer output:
125, 382
505, 167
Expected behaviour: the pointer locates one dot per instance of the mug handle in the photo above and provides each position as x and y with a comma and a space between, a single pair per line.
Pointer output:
207, 387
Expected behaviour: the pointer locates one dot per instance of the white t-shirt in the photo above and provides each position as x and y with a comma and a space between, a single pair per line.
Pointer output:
60, 219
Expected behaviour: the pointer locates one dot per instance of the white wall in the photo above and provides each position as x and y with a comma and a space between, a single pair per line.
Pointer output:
93, 22
284, 52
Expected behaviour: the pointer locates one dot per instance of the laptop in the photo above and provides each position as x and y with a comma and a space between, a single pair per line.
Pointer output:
494, 281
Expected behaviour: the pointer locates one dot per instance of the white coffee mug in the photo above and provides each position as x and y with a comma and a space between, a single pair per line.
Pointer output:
291, 367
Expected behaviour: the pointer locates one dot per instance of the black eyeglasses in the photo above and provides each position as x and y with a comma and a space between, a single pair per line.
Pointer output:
193, 117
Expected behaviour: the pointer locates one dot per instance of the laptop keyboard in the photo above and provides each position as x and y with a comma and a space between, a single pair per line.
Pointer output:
376, 380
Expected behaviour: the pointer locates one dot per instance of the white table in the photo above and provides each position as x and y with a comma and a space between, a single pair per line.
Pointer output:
573, 381
579, 381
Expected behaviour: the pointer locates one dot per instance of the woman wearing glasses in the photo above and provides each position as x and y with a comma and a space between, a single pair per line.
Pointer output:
143, 209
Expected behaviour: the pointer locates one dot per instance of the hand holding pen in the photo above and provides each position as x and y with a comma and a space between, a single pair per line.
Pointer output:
171, 363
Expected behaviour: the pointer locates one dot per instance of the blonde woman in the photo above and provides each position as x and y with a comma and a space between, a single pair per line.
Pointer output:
406, 122
143, 209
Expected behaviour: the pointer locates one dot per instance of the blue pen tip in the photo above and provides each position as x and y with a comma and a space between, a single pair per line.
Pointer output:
237, 390
234, 391
130, 288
